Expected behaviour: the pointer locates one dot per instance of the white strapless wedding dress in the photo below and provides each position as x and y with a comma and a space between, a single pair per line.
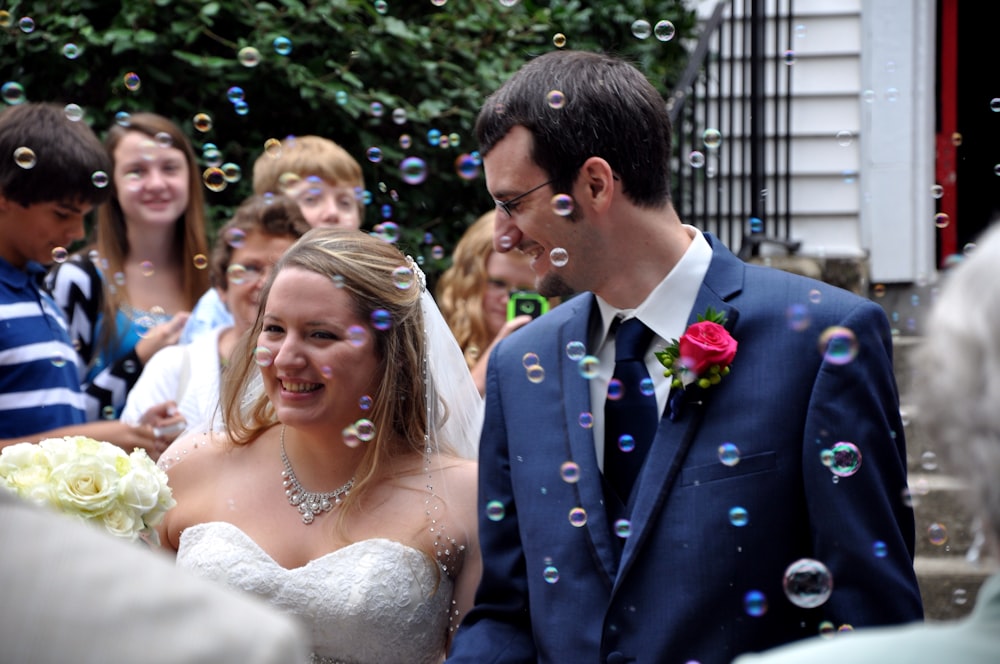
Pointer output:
375, 601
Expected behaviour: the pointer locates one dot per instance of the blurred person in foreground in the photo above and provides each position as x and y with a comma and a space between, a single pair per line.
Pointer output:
956, 389
72, 593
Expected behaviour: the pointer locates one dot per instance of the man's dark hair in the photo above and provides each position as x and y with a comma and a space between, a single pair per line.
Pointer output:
608, 109
66, 153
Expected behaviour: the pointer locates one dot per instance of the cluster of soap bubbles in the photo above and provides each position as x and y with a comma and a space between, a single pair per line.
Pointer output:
664, 30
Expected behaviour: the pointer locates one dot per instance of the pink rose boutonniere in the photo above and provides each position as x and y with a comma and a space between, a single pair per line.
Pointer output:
703, 354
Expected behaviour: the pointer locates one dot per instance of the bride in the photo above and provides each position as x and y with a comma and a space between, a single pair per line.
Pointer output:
342, 490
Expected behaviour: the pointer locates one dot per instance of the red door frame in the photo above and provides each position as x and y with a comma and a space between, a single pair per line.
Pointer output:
945, 166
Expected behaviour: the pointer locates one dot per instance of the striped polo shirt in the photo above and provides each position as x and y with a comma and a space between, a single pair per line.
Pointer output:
40, 372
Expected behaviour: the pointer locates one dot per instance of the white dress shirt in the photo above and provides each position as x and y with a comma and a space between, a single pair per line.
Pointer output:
665, 311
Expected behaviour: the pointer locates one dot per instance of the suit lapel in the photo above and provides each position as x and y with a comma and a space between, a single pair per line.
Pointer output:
576, 400
723, 280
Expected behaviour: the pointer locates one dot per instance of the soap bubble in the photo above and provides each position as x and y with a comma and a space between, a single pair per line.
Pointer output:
846, 459
13, 93
664, 31
838, 345
214, 179
712, 138
495, 510
413, 170
807, 583
755, 603
202, 122
25, 157
467, 166
248, 56
559, 257
570, 472
263, 356
282, 45
729, 454
132, 81
641, 29
73, 112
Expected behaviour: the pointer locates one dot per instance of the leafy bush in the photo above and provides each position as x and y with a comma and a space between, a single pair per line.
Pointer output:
324, 67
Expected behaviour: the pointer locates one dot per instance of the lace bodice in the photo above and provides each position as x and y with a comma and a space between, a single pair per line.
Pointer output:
375, 601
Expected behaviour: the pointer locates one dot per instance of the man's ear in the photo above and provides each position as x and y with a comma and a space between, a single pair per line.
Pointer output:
599, 183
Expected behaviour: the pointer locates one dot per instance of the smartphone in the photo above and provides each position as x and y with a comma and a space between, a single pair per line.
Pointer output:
526, 303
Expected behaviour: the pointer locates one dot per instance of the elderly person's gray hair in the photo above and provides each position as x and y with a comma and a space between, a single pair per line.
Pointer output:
957, 375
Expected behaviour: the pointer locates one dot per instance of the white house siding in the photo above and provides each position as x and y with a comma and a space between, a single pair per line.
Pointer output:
862, 124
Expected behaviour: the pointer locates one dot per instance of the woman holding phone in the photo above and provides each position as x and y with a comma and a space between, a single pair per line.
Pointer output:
474, 294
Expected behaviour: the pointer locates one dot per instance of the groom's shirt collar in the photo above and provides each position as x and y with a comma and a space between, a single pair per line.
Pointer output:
665, 311
667, 307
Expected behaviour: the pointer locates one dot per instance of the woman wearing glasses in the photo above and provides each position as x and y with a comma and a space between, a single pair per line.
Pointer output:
246, 249
473, 294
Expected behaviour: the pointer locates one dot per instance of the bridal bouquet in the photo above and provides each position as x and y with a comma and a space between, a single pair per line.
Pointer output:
92, 480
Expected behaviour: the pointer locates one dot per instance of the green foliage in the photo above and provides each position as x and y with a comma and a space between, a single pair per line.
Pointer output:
436, 63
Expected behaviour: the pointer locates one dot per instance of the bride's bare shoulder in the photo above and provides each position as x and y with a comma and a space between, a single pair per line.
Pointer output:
193, 450
460, 475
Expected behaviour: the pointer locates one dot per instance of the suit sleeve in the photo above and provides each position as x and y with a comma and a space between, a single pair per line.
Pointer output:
862, 526
498, 629
78, 289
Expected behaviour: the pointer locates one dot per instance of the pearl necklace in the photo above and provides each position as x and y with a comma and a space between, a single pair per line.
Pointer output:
309, 503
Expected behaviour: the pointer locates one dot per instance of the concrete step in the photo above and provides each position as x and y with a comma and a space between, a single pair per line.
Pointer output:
923, 454
949, 586
903, 348
950, 561
944, 519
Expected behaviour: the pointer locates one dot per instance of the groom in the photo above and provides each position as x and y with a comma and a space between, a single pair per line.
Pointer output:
678, 544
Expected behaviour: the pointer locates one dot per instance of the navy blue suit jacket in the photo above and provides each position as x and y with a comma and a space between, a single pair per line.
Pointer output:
553, 589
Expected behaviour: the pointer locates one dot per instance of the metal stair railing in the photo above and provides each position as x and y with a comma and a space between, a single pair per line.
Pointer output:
732, 128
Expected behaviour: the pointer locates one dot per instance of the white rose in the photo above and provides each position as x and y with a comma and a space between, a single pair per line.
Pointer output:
22, 455
60, 450
145, 488
122, 522
71, 448
24, 468
164, 502
140, 489
88, 485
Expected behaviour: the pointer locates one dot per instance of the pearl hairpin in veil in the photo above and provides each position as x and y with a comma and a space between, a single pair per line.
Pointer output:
448, 381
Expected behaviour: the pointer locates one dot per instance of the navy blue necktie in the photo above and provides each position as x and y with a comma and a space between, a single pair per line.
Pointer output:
630, 414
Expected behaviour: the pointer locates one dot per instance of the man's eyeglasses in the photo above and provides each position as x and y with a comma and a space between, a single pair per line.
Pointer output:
510, 204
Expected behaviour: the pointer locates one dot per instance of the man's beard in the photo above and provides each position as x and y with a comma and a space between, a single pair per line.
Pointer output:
553, 285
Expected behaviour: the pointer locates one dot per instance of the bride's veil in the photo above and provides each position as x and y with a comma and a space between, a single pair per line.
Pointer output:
449, 385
